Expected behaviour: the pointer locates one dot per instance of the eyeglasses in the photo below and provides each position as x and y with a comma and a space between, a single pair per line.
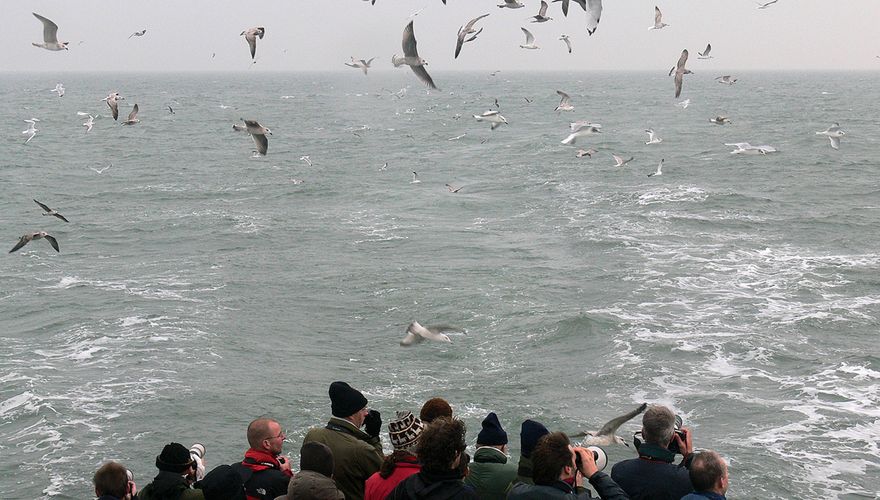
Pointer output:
282, 435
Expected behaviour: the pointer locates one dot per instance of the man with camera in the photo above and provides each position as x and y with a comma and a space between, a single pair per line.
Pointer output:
558, 471
653, 475
264, 471
357, 454
177, 472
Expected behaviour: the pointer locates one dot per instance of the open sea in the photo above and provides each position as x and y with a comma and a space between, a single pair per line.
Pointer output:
198, 288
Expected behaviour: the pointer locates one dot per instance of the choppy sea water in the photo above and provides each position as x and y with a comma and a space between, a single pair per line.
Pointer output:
198, 288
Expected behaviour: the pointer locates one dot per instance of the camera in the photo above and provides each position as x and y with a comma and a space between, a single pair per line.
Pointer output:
673, 445
599, 457
197, 452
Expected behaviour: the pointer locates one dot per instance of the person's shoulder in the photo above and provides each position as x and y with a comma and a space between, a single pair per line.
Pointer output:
190, 494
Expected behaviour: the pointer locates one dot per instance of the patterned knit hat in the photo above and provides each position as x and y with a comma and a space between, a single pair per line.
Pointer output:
404, 431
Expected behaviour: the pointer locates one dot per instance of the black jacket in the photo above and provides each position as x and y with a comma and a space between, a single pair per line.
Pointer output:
426, 486
561, 490
652, 476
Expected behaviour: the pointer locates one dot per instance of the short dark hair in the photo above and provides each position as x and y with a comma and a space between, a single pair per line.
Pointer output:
658, 424
550, 455
707, 467
111, 479
439, 443
257, 431
318, 457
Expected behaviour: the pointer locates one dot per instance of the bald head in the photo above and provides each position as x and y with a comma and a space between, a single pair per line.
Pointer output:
258, 430
708, 472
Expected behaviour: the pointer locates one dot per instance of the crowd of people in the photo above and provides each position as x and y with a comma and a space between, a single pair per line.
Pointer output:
344, 460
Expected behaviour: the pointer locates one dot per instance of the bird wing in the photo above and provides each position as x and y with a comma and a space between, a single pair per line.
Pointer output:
252, 43
566, 99
708, 49
50, 29
679, 79
353, 65
409, 42
56, 214
682, 60
530, 38
567, 44
460, 41
114, 107
21, 241
594, 12
543, 10
423, 75
438, 329
658, 17
470, 25
410, 338
835, 142
134, 113
490, 113
612, 425
262, 143
52, 241
43, 206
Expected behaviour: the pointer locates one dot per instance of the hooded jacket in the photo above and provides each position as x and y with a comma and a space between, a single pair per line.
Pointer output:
356, 454
311, 485
169, 486
603, 484
377, 487
490, 475
262, 475
426, 486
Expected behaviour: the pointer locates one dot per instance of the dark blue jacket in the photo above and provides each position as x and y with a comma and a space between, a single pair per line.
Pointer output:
652, 476
561, 490
703, 495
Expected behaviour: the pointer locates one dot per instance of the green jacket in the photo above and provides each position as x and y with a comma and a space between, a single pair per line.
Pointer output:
524, 471
490, 474
357, 455
169, 486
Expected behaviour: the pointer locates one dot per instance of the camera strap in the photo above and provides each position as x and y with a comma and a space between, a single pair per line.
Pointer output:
346, 430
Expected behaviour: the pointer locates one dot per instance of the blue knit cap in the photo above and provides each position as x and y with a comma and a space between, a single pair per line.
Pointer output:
492, 433
529, 435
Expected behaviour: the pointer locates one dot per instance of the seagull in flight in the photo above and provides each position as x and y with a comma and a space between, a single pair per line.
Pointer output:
511, 4
619, 161
541, 17
251, 35
564, 103
464, 31
834, 133
705, 54
606, 435
530, 40
567, 41
307, 159
683, 104
113, 101
728, 79
765, 5
594, 12
100, 170
581, 129
50, 35
416, 333
659, 169
493, 117
132, 116
652, 137
50, 211
258, 133
364, 65
415, 179
59, 88
411, 57
28, 237
680, 71
658, 20
748, 149
583, 4
453, 189
88, 123
720, 120
588, 153
32, 129
138, 33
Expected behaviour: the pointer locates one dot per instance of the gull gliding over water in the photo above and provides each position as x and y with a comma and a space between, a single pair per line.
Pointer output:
415, 179
765, 5
251, 36
50, 211
493, 117
132, 116
138, 33
27, 238
362, 64
567, 41
411, 57
530, 40
113, 101
720, 120
564, 103
619, 161
680, 71
464, 31
652, 137
581, 129
659, 169
606, 435
32, 129
834, 133
748, 149
511, 4
594, 12
705, 54
586, 152
59, 88
683, 104
658, 20
258, 133
88, 123
541, 17
728, 79
415, 333
50, 35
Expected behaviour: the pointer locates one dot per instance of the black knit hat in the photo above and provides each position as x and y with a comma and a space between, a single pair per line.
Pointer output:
492, 434
222, 483
529, 435
345, 401
174, 458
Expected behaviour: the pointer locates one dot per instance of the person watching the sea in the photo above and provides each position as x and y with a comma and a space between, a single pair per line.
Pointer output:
265, 472
708, 474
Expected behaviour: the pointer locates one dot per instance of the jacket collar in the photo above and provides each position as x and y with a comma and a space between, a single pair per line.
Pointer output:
651, 451
489, 454
341, 422
258, 460
711, 495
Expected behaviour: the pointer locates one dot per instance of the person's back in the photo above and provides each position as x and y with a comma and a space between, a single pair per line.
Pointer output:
174, 464
314, 481
404, 432
490, 473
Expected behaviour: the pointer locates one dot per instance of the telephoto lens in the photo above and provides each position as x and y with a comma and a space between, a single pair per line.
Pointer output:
599, 456
197, 452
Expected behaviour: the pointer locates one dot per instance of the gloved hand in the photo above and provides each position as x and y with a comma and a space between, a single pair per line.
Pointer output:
373, 423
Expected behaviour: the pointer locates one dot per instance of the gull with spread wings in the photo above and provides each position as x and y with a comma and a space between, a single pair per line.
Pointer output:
411, 57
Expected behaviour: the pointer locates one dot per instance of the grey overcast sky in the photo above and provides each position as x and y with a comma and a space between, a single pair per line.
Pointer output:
304, 35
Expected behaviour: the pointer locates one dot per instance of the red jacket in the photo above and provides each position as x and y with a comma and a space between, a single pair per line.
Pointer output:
377, 488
